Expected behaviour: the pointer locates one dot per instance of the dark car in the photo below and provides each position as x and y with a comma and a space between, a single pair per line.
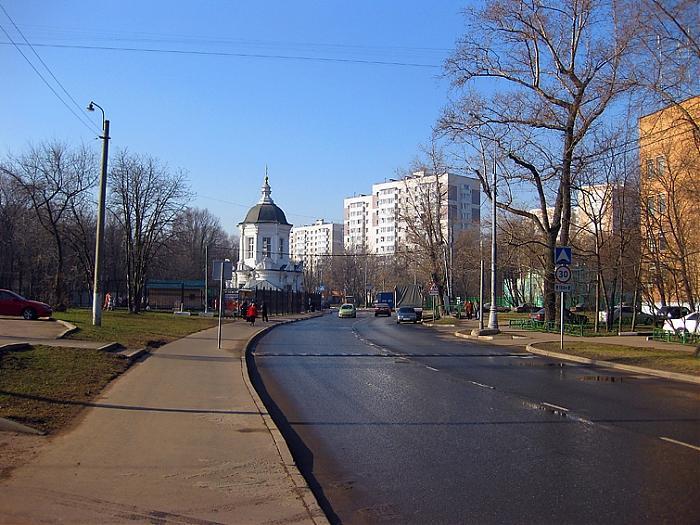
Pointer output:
525, 308
671, 312
382, 309
14, 304
569, 317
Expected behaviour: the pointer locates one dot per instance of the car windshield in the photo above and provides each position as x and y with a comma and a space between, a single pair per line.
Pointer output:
346, 307
406, 310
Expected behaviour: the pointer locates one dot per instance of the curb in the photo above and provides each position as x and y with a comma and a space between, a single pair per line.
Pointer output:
110, 347
303, 490
15, 346
70, 328
8, 425
616, 366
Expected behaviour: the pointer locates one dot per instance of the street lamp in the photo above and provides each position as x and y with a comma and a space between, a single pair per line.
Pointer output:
96, 291
493, 315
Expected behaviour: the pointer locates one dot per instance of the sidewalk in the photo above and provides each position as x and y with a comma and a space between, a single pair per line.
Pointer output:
182, 437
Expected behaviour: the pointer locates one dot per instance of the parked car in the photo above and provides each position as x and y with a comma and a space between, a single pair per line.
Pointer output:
347, 310
382, 309
569, 317
525, 308
406, 314
671, 312
626, 312
14, 304
688, 324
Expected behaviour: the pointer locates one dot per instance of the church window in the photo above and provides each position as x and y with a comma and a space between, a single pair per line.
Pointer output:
266, 246
281, 247
249, 248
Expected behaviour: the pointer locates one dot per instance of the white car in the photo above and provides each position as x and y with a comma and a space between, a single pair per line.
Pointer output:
690, 324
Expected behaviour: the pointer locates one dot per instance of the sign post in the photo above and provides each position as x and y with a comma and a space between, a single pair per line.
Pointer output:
221, 270
562, 275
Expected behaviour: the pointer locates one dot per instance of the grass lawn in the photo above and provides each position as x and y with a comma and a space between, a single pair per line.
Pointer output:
131, 330
45, 387
668, 360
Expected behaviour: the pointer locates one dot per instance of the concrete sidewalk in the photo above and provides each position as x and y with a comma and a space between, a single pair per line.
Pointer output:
182, 437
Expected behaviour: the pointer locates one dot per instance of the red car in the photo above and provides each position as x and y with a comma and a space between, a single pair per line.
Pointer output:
14, 304
382, 309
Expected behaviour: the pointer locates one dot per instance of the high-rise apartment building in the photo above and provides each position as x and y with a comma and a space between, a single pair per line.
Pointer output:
381, 222
315, 240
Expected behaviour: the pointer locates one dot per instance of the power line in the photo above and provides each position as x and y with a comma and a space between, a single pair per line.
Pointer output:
80, 108
238, 55
76, 115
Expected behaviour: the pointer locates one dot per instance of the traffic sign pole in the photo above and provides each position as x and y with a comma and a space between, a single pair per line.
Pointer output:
561, 335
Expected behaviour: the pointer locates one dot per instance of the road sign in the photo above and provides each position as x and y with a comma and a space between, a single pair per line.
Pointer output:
563, 274
216, 270
562, 255
434, 290
568, 288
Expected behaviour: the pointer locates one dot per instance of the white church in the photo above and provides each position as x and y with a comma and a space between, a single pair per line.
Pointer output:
263, 261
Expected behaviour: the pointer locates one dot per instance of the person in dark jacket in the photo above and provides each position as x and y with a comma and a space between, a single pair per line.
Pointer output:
264, 312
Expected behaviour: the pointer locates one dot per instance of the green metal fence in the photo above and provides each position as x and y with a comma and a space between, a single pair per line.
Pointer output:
681, 336
547, 326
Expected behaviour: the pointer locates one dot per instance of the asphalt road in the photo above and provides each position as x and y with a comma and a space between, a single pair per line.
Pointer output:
403, 424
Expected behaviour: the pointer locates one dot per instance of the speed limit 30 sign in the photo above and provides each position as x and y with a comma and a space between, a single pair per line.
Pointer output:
563, 274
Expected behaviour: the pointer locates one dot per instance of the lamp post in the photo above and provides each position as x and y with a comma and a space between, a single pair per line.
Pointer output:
99, 241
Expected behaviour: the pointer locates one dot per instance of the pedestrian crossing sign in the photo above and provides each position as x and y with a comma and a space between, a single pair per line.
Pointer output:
562, 255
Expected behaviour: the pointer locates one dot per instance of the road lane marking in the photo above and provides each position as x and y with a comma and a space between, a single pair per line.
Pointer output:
431, 368
482, 385
556, 407
680, 443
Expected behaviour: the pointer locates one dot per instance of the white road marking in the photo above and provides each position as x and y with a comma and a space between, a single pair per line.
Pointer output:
482, 385
680, 443
556, 407
431, 368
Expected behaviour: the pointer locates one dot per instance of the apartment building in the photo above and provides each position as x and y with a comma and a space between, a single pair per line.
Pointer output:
669, 151
379, 222
315, 240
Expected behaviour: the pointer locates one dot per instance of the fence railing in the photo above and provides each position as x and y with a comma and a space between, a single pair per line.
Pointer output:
547, 326
681, 336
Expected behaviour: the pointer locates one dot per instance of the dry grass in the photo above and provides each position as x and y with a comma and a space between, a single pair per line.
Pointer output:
658, 359
45, 387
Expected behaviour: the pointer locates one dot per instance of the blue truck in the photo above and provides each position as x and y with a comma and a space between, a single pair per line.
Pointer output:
385, 297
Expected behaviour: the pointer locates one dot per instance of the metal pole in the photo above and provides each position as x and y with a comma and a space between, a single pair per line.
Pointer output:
481, 295
561, 322
493, 316
99, 240
221, 297
206, 278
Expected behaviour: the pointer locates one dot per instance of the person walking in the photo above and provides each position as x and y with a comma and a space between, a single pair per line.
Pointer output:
244, 310
252, 313
264, 312
108, 301
469, 309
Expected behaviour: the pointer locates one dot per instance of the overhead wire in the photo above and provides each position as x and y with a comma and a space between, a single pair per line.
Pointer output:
240, 55
85, 122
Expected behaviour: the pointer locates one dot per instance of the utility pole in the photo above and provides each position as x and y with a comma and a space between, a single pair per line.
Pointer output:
493, 316
99, 240
206, 278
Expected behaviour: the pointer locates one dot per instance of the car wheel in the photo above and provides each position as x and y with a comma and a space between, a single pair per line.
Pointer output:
29, 314
376, 314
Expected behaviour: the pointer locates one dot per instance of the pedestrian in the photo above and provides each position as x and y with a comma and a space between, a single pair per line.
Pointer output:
252, 313
264, 312
108, 301
244, 310
469, 309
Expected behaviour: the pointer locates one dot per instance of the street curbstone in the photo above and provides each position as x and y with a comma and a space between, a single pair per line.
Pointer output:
70, 328
15, 346
110, 347
675, 376
7, 425
301, 486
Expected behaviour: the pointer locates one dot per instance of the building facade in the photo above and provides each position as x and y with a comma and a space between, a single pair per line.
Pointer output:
669, 150
320, 239
380, 223
264, 261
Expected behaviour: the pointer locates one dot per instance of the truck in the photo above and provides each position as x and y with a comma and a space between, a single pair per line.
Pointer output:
385, 297
410, 295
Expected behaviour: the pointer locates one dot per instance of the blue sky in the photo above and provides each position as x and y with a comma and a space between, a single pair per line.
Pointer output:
326, 129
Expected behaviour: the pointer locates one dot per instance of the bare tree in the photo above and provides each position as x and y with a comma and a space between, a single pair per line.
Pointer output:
423, 216
54, 179
553, 69
146, 198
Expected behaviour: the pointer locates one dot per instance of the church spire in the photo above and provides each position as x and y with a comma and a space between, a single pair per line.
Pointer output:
265, 190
